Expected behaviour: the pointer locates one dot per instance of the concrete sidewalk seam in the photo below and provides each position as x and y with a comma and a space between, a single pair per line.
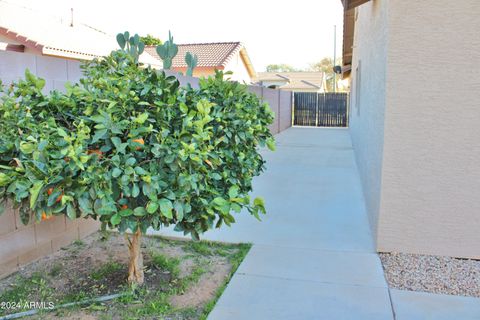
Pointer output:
312, 281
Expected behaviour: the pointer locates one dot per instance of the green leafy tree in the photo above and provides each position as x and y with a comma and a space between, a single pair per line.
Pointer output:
326, 66
281, 68
150, 40
130, 147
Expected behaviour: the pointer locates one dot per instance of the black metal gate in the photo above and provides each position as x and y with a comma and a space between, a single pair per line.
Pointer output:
320, 109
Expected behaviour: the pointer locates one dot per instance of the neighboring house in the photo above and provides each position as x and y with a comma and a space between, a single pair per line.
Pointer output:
415, 121
227, 56
49, 46
293, 81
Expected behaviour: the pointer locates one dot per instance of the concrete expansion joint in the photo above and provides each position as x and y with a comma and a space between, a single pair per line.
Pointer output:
307, 280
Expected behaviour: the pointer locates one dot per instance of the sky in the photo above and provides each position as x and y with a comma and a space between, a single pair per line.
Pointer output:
297, 33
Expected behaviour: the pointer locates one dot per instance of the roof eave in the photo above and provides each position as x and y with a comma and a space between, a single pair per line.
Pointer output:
348, 33
248, 63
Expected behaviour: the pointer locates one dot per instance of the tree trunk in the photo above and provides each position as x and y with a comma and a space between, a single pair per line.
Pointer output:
135, 265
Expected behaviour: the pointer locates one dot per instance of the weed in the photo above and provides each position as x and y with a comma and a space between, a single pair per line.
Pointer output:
55, 270
106, 269
172, 265
200, 247
78, 243
33, 288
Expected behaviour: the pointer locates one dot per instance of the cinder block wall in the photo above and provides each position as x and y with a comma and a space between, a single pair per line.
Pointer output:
281, 104
21, 244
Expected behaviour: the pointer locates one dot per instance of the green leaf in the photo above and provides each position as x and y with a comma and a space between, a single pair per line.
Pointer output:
219, 201
116, 172
99, 134
152, 207
271, 144
216, 176
27, 147
135, 190
233, 191
141, 118
260, 204
140, 171
115, 219
166, 208
125, 212
139, 211
130, 161
34, 193
85, 204
41, 166
178, 210
71, 212
4, 179
62, 133
116, 141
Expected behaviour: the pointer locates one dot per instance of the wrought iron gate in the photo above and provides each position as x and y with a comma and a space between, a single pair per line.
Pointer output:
320, 109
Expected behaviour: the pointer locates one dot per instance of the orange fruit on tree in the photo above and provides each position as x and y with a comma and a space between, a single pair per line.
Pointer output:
50, 191
44, 216
124, 207
59, 198
140, 141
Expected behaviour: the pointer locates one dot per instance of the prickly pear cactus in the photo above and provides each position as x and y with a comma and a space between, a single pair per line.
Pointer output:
191, 60
167, 52
132, 45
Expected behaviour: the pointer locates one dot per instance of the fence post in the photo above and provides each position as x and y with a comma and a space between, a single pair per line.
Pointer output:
316, 111
293, 107
279, 111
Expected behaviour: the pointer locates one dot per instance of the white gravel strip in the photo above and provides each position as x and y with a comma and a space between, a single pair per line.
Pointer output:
432, 273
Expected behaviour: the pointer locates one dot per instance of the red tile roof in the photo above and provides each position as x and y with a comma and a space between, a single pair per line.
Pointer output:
215, 54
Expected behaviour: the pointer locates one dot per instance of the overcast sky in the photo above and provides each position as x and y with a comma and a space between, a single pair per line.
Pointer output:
296, 32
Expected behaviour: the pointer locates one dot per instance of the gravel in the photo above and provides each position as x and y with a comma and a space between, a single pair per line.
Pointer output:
432, 273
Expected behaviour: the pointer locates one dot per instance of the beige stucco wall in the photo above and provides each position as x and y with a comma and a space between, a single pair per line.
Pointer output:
367, 102
417, 135
431, 168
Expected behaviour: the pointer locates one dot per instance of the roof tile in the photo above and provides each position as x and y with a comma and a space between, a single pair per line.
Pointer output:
215, 54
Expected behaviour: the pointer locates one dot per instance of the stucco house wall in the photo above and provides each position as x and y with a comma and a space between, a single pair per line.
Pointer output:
236, 65
416, 134
367, 104
239, 69
431, 169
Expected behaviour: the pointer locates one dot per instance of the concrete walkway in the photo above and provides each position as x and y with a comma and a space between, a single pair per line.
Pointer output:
313, 256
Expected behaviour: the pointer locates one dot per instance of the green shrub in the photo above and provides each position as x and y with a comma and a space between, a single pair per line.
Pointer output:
129, 147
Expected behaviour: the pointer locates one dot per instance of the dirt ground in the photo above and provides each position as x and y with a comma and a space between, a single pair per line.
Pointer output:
183, 279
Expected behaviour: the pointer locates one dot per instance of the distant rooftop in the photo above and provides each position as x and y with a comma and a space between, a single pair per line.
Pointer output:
293, 80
